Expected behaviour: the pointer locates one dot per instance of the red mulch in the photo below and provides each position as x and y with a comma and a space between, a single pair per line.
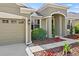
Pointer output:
58, 51
75, 36
47, 41
49, 52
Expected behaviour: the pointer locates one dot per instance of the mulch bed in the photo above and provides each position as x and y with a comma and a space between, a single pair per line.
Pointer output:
47, 41
75, 36
58, 51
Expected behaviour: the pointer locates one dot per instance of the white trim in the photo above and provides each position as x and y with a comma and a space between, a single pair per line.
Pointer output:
30, 31
28, 34
26, 30
26, 10
47, 16
58, 12
29, 43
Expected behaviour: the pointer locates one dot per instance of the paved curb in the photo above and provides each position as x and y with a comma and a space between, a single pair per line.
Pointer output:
29, 52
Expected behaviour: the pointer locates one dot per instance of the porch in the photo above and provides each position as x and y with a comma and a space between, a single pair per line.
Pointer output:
53, 25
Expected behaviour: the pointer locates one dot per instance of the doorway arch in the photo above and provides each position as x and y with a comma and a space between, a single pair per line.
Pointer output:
58, 24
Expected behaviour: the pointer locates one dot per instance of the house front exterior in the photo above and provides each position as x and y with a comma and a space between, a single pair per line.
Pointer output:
17, 21
13, 23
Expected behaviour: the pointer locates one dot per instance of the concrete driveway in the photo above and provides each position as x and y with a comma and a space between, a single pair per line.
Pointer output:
13, 50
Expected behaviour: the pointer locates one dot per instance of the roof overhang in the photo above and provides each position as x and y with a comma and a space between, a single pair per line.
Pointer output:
26, 10
12, 16
20, 4
45, 5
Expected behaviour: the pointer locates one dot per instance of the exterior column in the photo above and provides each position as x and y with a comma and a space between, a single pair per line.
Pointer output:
60, 24
46, 25
49, 26
66, 31
73, 26
40, 23
28, 31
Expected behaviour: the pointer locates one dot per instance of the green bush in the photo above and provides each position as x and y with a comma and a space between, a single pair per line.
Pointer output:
38, 33
77, 29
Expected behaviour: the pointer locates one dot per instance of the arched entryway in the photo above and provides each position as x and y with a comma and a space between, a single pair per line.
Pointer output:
58, 24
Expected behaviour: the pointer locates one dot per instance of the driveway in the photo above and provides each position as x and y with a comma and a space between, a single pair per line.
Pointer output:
13, 50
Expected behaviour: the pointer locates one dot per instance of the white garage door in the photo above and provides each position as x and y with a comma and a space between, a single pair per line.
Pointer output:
11, 31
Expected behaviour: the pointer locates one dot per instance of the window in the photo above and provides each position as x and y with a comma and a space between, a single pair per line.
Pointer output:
5, 21
21, 21
68, 25
35, 24
13, 21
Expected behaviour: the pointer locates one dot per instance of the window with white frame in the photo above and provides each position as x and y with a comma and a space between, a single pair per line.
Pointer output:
68, 25
35, 24
13, 21
5, 21
20, 21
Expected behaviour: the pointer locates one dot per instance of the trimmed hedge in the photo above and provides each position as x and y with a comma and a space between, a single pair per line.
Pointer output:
38, 33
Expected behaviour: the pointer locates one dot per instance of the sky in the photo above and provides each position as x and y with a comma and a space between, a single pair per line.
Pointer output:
73, 7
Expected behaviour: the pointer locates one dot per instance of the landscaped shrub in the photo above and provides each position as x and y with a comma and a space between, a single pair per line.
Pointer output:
66, 49
38, 33
77, 29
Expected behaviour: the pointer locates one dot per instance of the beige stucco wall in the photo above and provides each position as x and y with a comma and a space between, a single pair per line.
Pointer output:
43, 24
49, 10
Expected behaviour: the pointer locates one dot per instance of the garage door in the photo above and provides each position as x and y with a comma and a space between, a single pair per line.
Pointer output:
11, 31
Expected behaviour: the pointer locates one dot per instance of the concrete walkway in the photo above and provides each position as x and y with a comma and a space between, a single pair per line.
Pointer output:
51, 45
13, 50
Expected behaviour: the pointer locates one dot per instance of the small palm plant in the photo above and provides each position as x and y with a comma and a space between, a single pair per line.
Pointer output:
66, 49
